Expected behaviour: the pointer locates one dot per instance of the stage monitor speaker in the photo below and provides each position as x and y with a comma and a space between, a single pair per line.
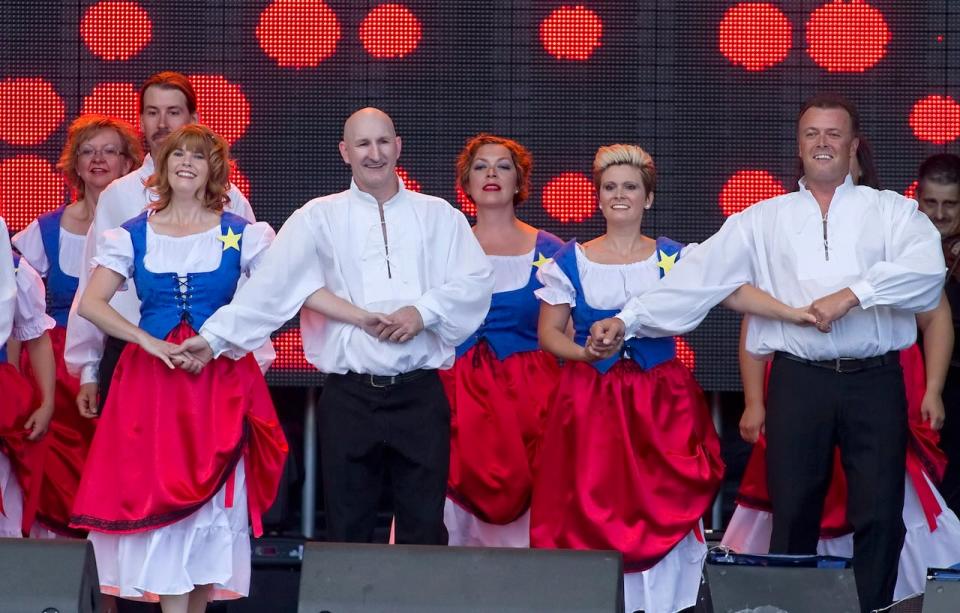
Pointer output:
735, 583
354, 578
48, 576
942, 592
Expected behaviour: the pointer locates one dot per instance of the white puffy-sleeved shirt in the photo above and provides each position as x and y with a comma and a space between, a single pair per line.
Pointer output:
193, 253
336, 242
8, 284
29, 243
121, 201
875, 242
607, 286
30, 319
510, 272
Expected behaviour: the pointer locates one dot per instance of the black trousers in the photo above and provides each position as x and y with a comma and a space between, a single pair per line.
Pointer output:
401, 432
108, 363
950, 439
809, 411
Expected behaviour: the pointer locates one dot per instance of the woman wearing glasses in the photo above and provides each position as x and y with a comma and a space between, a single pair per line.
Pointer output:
98, 150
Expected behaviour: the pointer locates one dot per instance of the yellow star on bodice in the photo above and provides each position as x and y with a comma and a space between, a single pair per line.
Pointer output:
666, 262
230, 240
541, 260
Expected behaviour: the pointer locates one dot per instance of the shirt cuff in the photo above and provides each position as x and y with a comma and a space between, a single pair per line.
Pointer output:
428, 316
217, 344
629, 319
864, 293
90, 373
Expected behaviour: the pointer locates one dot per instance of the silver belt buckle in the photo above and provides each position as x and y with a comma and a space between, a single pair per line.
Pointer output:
373, 381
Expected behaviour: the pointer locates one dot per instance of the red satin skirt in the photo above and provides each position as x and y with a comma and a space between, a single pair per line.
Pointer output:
630, 462
68, 441
923, 457
18, 400
498, 414
168, 440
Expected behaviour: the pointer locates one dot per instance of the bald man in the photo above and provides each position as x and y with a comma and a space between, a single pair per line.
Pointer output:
393, 280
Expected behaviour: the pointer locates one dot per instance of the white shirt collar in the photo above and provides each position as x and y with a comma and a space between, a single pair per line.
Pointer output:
364, 196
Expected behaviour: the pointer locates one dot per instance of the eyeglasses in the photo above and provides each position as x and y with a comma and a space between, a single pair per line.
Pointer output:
109, 151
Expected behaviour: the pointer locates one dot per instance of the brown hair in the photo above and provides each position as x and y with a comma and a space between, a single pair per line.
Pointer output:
83, 129
198, 138
632, 155
171, 80
520, 155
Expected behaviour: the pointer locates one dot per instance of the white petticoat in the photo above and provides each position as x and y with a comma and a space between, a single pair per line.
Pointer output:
749, 532
12, 515
211, 546
467, 530
672, 584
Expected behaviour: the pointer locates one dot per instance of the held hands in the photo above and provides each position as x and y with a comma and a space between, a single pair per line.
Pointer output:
605, 340
191, 355
403, 324
832, 307
752, 422
38, 422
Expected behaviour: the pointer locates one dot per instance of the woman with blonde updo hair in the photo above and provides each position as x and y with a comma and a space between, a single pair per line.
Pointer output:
501, 383
630, 458
99, 150
183, 454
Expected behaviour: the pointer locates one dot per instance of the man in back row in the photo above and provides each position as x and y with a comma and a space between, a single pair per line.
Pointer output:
167, 102
865, 262
938, 192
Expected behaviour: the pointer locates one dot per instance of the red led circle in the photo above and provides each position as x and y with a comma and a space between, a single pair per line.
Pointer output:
298, 33
571, 33
29, 186
570, 197
747, 187
289, 347
466, 205
936, 119
390, 31
408, 182
685, 353
116, 30
30, 110
115, 100
847, 36
222, 106
755, 35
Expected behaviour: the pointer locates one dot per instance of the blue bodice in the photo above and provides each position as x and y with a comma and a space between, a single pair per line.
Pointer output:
166, 299
511, 323
61, 287
646, 352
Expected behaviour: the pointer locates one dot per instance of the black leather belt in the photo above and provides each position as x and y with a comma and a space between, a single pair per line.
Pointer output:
845, 365
386, 380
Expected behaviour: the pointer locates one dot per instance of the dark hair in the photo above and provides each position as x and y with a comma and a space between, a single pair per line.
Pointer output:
868, 165
942, 168
171, 80
831, 100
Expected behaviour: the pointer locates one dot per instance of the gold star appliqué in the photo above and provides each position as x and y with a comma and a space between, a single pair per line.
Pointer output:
230, 240
667, 261
541, 260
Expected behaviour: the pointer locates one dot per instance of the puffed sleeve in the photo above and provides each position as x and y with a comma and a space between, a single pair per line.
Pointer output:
8, 284
557, 288
29, 242
30, 320
115, 251
257, 238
